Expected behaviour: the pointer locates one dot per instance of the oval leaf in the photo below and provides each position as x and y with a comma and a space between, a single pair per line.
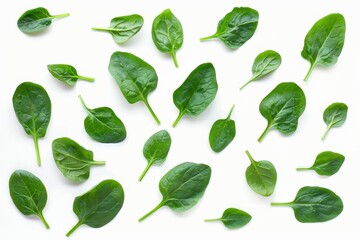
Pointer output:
334, 116
233, 218
66, 74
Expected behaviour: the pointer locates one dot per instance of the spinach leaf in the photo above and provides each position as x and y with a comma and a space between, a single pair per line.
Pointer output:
28, 194
261, 176
222, 133
334, 116
282, 108
233, 218
123, 28
182, 187
103, 125
98, 206
156, 149
264, 64
36, 20
324, 42
315, 204
237, 27
135, 78
197, 92
326, 163
32, 107
73, 160
66, 74
167, 33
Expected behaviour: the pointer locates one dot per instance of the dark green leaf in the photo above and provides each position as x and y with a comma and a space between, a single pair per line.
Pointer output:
324, 42
135, 78
182, 187
28, 194
197, 92
73, 160
32, 106
36, 20
237, 27
66, 73
167, 33
334, 116
156, 149
315, 204
98, 206
233, 218
282, 108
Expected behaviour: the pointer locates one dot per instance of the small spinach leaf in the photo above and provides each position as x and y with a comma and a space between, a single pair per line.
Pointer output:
182, 187
123, 28
156, 149
135, 78
73, 160
66, 74
222, 133
315, 204
32, 107
334, 116
233, 218
98, 206
326, 163
237, 27
28, 194
197, 91
167, 33
282, 108
36, 20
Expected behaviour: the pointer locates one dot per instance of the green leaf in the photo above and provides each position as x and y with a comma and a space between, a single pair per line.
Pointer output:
237, 27
182, 187
282, 108
123, 28
36, 20
73, 160
324, 42
32, 107
103, 125
28, 194
156, 149
264, 64
233, 218
261, 176
334, 116
66, 74
315, 204
326, 163
135, 78
98, 206
197, 92
222, 133
167, 33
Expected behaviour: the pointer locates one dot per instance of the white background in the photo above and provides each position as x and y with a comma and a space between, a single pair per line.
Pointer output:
282, 27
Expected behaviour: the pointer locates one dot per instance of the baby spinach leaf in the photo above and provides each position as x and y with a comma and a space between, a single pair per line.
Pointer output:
197, 92
73, 160
135, 78
326, 163
123, 28
261, 176
182, 187
156, 149
334, 116
103, 125
282, 108
233, 218
264, 64
32, 107
324, 42
66, 74
237, 27
315, 204
222, 133
167, 33
28, 194
37, 20
98, 206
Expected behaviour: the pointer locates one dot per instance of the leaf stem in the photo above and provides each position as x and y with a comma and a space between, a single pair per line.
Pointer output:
84, 105
326, 132
109, 29
274, 204
267, 129
86, 78
207, 38
231, 110
41, 216
178, 119
61, 15
246, 83
151, 111
73, 229
161, 204
309, 72
250, 157
212, 220
173, 55
98, 163
37, 150
303, 169
145, 171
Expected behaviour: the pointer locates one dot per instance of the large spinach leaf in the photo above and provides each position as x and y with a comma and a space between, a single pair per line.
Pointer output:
334, 116
233, 218
66, 73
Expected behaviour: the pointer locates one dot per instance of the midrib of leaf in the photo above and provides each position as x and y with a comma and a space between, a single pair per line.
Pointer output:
253, 163
233, 28
102, 123
255, 77
73, 157
31, 197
